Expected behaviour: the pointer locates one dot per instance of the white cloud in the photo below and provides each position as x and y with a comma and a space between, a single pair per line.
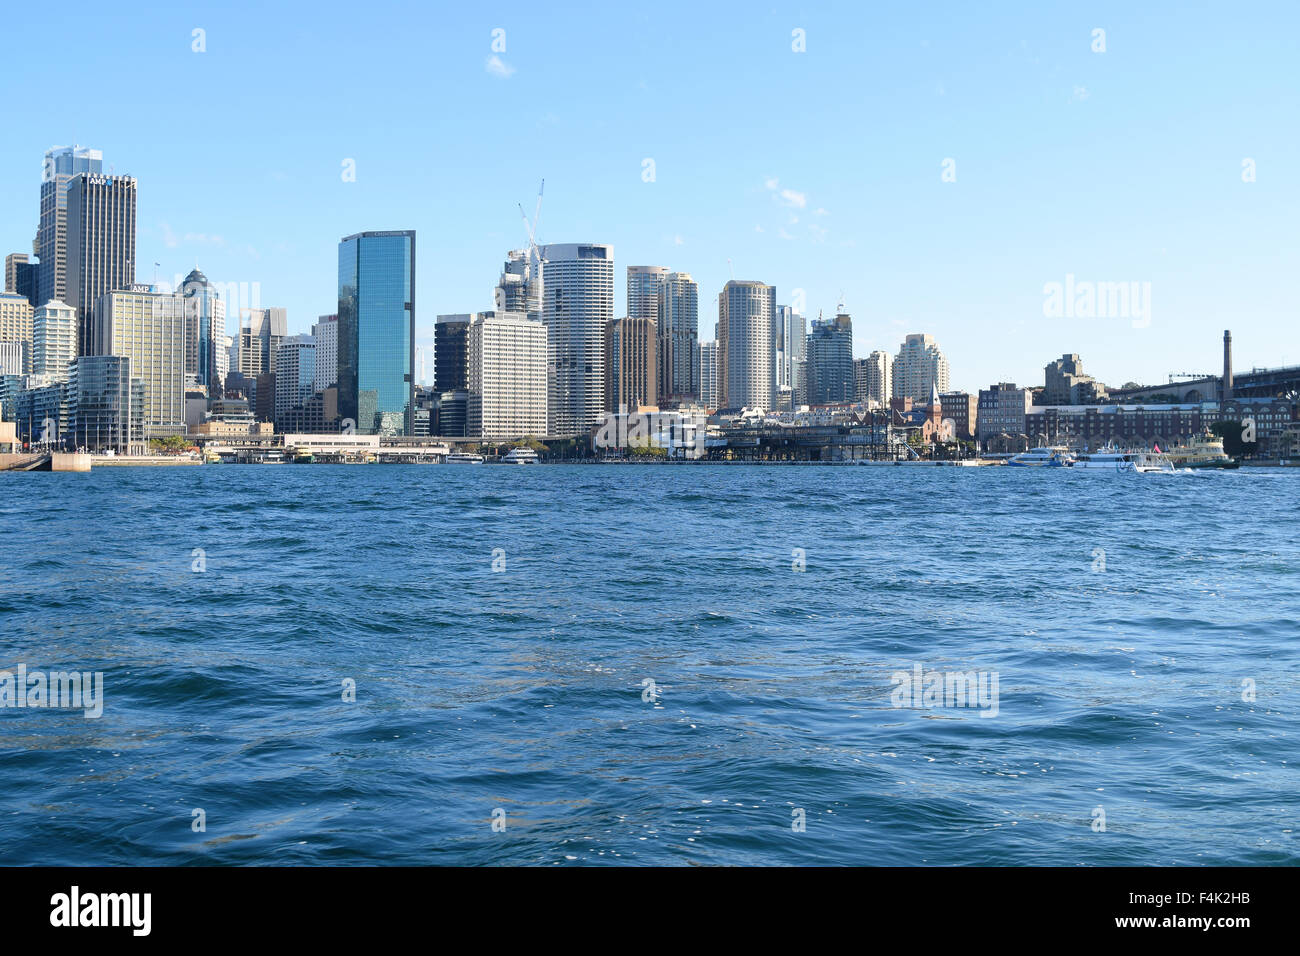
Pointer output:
678, 241
795, 199
498, 67
819, 211
770, 183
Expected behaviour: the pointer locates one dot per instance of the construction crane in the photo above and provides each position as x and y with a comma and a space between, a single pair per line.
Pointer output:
534, 255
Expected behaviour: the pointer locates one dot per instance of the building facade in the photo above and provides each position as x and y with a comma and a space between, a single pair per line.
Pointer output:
962, 409
377, 331
325, 332
631, 365
295, 375
54, 340
51, 245
205, 331
709, 375
1001, 409
100, 245
678, 330
16, 325
451, 349
831, 376
745, 345
578, 305
507, 376
147, 327
919, 368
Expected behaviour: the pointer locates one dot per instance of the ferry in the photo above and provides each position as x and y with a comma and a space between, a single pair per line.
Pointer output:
464, 458
520, 456
1203, 451
1123, 462
1054, 456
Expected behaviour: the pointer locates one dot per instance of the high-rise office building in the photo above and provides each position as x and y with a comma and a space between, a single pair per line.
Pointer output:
872, 380
16, 324
377, 331
919, 368
520, 288
578, 305
295, 374
507, 376
149, 328
22, 276
679, 339
61, 164
260, 334
644, 284
326, 334
451, 350
709, 374
100, 244
205, 325
54, 340
106, 405
829, 367
221, 349
788, 345
630, 365
745, 353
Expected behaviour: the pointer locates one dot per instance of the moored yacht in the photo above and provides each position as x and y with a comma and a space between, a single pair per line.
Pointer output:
1053, 456
520, 456
464, 458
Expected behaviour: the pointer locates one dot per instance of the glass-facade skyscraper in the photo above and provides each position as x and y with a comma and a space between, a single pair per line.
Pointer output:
376, 346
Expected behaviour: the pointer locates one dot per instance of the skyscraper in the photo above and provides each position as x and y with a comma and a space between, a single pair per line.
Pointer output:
578, 305
16, 324
149, 328
377, 331
919, 368
830, 361
873, 379
295, 372
745, 352
678, 334
326, 334
21, 276
451, 350
630, 360
54, 340
61, 164
709, 374
520, 288
507, 376
643, 287
260, 334
205, 325
100, 245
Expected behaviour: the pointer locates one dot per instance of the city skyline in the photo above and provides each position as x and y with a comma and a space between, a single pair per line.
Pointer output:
1066, 163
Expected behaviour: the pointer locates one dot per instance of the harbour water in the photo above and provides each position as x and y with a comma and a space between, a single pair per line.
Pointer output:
651, 665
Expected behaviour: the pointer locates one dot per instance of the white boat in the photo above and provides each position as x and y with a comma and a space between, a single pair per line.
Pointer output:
1055, 456
1123, 462
464, 458
520, 456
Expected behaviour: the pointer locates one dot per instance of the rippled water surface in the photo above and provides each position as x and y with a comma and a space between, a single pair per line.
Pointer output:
1121, 615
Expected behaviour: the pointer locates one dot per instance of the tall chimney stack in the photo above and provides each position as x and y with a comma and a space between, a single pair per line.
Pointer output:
1227, 365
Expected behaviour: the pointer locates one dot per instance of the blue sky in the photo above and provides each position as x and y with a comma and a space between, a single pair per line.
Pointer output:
816, 170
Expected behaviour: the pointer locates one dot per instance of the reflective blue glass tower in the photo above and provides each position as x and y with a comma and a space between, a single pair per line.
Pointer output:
377, 331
